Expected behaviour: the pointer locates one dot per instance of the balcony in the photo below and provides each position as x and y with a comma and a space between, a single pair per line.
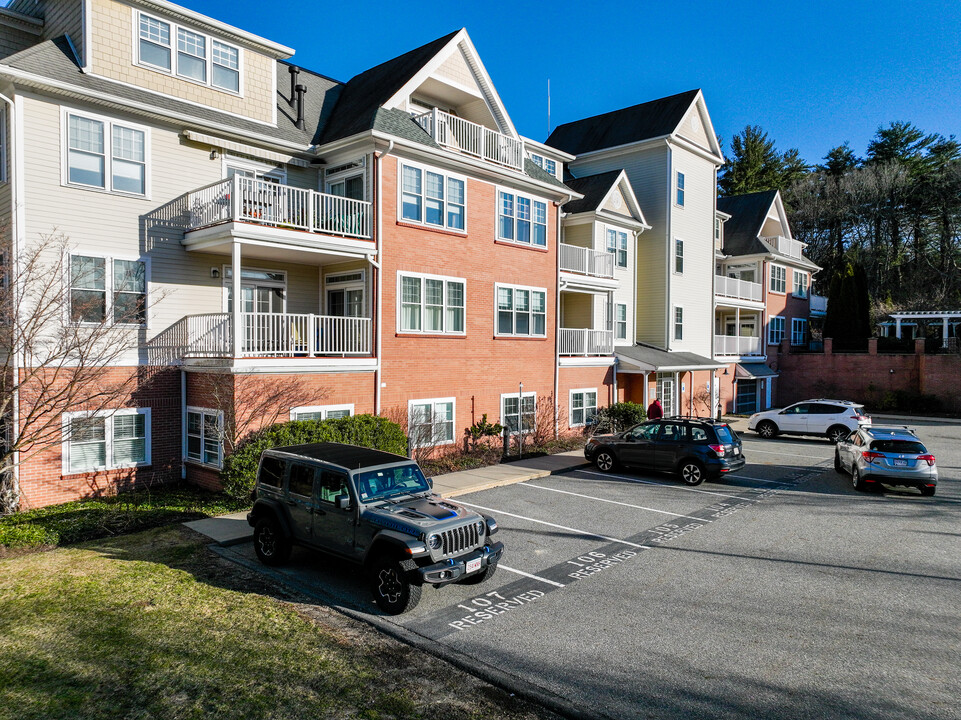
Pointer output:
454, 133
249, 200
585, 261
264, 335
819, 305
737, 346
727, 287
584, 341
786, 246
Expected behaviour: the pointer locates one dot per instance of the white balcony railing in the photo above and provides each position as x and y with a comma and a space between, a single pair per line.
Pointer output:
586, 261
819, 304
265, 335
470, 138
739, 289
584, 341
736, 345
267, 203
786, 246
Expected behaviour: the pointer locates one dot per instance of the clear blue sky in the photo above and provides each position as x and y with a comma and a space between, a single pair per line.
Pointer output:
812, 73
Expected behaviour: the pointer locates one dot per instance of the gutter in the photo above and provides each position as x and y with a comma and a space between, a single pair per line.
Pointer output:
378, 243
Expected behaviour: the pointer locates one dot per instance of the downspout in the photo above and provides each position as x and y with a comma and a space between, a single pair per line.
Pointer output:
378, 244
15, 221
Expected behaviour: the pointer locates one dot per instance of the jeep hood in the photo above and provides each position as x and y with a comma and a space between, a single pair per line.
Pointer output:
423, 513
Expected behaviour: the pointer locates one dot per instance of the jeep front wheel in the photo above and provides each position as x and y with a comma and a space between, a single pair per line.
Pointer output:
270, 543
393, 592
477, 578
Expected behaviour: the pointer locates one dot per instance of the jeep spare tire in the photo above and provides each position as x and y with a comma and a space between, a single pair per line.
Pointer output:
270, 543
393, 592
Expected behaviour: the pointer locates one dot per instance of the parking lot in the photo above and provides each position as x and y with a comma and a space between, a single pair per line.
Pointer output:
776, 591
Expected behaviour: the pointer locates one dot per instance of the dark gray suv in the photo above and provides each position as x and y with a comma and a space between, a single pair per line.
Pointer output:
373, 508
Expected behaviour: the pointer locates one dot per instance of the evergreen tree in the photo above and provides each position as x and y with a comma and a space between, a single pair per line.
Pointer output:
756, 165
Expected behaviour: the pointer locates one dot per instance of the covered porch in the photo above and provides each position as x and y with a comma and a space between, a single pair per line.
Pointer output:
585, 327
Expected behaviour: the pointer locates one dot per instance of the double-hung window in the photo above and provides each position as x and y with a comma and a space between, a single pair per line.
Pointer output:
107, 290
549, 165
191, 55
518, 412
617, 245
521, 311
105, 154
321, 412
775, 330
800, 284
433, 198
799, 327
778, 279
105, 440
204, 432
154, 42
225, 67
431, 422
620, 321
583, 406
432, 304
521, 219
678, 255
679, 189
678, 323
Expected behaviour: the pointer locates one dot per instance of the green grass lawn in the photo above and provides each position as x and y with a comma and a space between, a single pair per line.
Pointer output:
154, 625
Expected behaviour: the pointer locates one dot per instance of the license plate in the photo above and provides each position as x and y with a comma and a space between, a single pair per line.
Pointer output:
900, 463
737, 451
473, 565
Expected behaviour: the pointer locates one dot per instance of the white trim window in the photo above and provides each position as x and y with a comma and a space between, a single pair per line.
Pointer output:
203, 436
517, 409
431, 304
617, 246
678, 323
546, 163
678, 256
431, 422
799, 331
106, 440
521, 311
800, 284
679, 188
321, 412
118, 297
620, 321
199, 58
775, 330
583, 406
778, 279
104, 154
433, 198
521, 219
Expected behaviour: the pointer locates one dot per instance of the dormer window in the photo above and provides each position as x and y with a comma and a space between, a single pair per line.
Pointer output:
154, 42
191, 55
549, 165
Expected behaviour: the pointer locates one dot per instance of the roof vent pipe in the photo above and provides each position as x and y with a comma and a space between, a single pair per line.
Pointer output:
294, 72
301, 91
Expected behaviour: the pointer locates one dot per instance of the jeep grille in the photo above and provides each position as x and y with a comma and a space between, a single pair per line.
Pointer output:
460, 539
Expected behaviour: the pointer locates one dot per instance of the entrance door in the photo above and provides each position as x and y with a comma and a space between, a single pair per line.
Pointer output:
345, 303
746, 397
665, 393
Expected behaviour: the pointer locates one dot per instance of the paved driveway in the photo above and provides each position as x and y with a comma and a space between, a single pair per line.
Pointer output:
777, 592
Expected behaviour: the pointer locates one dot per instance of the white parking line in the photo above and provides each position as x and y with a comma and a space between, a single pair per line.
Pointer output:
651, 482
559, 527
612, 502
502, 566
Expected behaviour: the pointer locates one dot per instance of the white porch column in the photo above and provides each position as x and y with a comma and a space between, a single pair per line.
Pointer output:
737, 329
676, 400
236, 320
897, 328
647, 392
944, 331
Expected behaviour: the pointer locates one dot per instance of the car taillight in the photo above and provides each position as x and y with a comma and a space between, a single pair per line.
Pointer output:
718, 450
929, 459
871, 456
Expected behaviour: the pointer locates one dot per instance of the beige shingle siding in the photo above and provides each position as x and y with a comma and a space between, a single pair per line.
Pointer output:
114, 56
456, 68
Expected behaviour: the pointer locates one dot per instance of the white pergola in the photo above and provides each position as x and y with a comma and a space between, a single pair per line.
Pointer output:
945, 316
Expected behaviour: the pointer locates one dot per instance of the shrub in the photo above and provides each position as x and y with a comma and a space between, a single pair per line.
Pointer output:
620, 416
240, 467
482, 429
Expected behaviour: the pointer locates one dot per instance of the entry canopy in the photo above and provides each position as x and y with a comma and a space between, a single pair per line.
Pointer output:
753, 371
647, 358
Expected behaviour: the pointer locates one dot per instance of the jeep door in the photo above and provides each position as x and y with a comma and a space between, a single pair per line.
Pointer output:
300, 500
334, 527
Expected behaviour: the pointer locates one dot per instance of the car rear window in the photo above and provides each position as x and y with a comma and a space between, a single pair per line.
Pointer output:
907, 447
725, 434
272, 471
858, 411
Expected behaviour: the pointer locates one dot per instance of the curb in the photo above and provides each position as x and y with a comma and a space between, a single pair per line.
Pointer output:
532, 475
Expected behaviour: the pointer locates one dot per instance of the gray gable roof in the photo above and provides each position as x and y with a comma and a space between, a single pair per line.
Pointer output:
621, 127
747, 218
649, 356
594, 188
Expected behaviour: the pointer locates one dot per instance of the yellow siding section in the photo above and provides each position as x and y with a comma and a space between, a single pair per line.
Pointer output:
579, 235
576, 310
114, 54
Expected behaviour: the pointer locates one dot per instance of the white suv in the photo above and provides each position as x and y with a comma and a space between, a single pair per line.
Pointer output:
834, 419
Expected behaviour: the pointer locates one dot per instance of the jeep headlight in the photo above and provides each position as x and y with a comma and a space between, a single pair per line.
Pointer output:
434, 542
481, 526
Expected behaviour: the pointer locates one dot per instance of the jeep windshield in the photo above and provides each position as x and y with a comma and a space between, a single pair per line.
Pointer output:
389, 482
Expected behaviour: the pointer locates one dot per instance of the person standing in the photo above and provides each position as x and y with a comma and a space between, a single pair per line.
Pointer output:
654, 410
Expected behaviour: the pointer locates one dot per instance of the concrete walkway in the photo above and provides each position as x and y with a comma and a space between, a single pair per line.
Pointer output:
232, 529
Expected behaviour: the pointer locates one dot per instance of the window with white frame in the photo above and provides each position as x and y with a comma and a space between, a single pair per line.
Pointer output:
521, 310
204, 432
617, 245
778, 279
775, 330
549, 165
583, 406
678, 323
105, 154
620, 321
518, 411
321, 412
799, 331
106, 440
431, 422
431, 304
198, 57
800, 284
679, 189
521, 219
108, 290
678, 255
431, 197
